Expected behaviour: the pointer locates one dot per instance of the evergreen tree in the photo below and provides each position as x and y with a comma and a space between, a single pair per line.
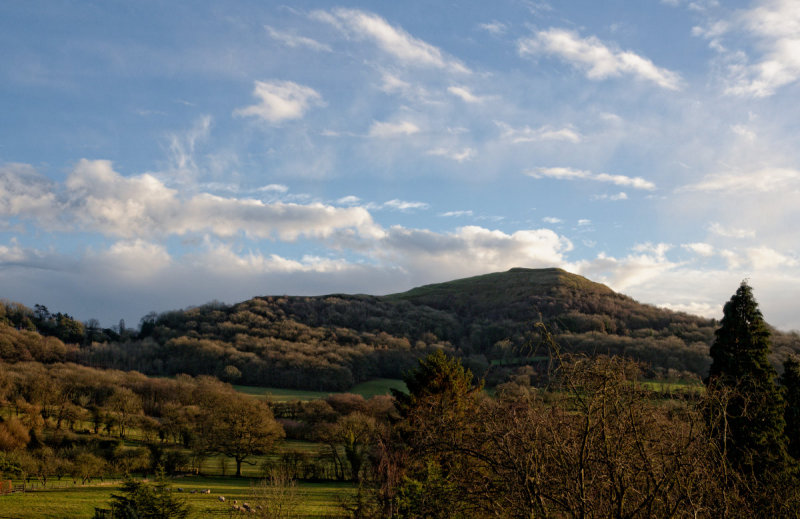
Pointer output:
791, 385
752, 432
140, 500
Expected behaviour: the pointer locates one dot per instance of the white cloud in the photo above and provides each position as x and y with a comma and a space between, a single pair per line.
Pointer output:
766, 258
561, 173
494, 27
281, 101
97, 198
295, 41
471, 250
450, 214
775, 24
465, 94
348, 200
730, 232
392, 40
764, 181
544, 133
595, 57
384, 130
701, 249
613, 198
24, 192
457, 155
403, 205
135, 259
273, 188
551, 219
182, 148
583, 222
649, 263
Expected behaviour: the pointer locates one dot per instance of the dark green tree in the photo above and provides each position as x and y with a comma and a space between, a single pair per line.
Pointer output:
750, 431
438, 411
140, 500
791, 385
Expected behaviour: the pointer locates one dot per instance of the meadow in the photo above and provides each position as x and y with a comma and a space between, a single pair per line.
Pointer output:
79, 501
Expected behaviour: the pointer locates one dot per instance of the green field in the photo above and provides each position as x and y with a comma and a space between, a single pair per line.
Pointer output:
378, 386
77, 501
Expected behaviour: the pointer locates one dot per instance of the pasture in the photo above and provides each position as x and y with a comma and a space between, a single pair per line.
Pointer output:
65, 500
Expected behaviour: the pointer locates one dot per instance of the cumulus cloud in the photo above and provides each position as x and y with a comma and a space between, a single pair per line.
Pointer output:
390, 39
471, 250
551, 219
97, 198
598, 60
647, 262
281, 101
543, 133
295, 41
24, 192
384, 130
561, 173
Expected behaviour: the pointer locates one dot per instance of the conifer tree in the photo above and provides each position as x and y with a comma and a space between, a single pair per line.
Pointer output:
791, 385
753, 437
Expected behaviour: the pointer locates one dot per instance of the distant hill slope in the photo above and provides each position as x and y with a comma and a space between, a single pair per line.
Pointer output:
332, 342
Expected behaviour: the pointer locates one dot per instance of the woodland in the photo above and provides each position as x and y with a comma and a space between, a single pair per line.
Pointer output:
528, 395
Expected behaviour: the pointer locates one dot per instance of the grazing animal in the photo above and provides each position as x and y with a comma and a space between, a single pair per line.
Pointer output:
222, 498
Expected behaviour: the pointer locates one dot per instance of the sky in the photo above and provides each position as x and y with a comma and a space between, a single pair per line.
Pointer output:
160, 155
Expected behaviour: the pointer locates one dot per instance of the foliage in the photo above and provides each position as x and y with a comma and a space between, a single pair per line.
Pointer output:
790, 380
141, 500
749, 427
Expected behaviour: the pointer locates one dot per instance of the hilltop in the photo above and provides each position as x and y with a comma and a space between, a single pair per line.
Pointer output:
334, 341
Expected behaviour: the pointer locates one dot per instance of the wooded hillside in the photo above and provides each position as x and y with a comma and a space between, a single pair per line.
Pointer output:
333, 342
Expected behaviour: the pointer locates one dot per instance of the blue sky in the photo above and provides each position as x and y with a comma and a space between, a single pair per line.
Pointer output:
156, 155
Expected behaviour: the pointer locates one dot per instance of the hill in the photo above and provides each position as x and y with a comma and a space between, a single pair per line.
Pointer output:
335, 341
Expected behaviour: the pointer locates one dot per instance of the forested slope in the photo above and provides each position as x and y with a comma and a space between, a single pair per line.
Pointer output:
332, 342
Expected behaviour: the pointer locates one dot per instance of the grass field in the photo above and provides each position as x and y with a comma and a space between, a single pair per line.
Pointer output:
77, 501
378, 386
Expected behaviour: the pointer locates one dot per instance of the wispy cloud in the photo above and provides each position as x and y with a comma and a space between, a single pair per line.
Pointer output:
597, 59
577, 174
391, 39
764, 181
494, 27
551, 220
281, 101
404, 205
459, 155
730, 232
456, 214
465, 94
384, 130
543, 133
775, 25
295, 41
614, 198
